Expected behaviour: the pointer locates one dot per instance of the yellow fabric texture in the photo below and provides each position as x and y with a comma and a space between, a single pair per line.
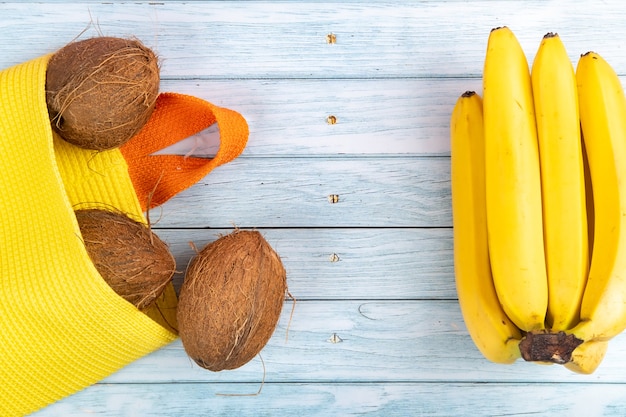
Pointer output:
63, 328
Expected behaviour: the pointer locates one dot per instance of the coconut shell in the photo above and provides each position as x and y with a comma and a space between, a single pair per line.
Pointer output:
101, 91
135, 263
231, 300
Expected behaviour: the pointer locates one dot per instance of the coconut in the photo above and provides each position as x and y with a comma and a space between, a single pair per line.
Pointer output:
231, 300
135, 263
101, 91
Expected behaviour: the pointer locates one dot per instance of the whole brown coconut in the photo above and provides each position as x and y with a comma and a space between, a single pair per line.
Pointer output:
231, 300
135, 263
101, 91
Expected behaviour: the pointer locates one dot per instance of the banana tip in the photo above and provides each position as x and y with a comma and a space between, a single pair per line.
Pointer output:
498, 28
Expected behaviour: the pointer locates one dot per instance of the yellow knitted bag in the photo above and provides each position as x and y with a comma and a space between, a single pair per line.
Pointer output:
63, 328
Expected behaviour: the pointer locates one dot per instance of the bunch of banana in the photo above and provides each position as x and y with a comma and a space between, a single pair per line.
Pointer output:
539, 209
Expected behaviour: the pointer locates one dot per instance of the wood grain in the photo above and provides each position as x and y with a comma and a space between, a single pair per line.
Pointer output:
372, 399
339, 264
285, 192
374, 117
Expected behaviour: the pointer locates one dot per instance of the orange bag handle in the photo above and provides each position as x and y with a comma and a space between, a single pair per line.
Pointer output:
157, 178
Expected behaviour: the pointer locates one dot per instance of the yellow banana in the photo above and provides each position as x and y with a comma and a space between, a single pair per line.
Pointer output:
587, 357
562, 181
513, 184
603, 120
491, 330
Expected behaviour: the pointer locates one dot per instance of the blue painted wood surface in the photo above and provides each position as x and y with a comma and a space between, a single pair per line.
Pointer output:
376, 329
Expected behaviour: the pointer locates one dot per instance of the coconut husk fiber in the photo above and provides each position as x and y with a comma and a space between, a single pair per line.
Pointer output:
101, 91
231, 300
135, 263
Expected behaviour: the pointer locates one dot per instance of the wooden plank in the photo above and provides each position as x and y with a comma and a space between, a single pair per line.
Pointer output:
286, 192
231, 39
372, 399
368, 341
373, 117
339, 264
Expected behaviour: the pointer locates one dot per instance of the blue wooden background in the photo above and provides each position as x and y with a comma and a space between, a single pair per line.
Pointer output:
376, 329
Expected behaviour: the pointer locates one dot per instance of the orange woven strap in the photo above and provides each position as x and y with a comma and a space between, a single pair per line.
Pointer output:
157, 178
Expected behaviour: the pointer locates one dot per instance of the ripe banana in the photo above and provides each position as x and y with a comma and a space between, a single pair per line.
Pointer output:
587, 357
539, 244
603, 120
491, 330
513, 184
562, 181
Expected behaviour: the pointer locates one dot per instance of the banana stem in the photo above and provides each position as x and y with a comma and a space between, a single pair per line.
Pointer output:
542, 346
